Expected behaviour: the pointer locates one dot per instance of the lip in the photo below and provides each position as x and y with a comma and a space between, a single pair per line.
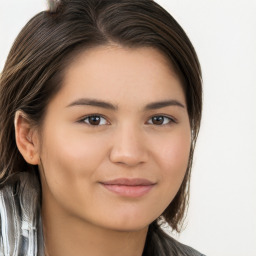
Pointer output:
129, 187
129, 182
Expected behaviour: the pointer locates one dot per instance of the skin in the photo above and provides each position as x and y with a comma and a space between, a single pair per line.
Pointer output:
80, 216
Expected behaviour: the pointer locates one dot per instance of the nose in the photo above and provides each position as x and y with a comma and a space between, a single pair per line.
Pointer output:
129, 147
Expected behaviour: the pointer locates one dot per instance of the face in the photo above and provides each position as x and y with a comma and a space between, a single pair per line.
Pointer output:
116, 139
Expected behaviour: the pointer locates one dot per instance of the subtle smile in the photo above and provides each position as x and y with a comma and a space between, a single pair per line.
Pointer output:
129, 187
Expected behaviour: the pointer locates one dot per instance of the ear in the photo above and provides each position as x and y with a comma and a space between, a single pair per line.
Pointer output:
27, 139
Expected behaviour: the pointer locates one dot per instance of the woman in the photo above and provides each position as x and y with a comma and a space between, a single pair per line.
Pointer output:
100, 105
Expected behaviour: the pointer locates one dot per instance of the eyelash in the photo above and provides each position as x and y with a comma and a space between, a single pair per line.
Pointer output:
170, 122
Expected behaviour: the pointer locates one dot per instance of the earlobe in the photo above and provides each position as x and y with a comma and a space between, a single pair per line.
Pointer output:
26, 138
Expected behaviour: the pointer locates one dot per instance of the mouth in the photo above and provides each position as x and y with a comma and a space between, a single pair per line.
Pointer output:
129, 187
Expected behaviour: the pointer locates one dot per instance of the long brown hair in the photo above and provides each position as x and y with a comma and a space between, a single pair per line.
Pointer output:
36, 63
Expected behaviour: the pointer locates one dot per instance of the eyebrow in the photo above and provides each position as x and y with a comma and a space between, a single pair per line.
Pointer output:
162, 104
107, 105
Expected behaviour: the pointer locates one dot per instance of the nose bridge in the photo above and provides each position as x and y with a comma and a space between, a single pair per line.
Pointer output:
128, 146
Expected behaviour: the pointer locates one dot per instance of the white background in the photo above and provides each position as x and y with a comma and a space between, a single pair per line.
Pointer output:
222, 214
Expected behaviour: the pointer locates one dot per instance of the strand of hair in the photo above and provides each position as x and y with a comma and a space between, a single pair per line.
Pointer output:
53, 5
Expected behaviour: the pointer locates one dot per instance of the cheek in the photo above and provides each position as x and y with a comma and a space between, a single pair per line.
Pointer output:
175, 154
74, 149
70, 160
69, 157
173, 158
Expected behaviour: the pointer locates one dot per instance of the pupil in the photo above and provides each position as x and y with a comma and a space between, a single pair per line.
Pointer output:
158, 120
95, 120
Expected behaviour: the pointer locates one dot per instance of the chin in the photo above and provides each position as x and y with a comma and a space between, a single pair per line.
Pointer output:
130, 225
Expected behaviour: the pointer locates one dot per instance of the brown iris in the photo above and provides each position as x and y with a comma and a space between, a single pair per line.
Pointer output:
158, 120
94, 120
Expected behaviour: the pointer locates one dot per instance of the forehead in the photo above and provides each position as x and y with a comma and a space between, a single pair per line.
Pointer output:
115, 72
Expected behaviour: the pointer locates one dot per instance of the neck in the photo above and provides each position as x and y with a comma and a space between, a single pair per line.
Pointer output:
66, 235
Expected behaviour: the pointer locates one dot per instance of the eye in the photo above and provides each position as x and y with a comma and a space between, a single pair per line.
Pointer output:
161, 120
95, 120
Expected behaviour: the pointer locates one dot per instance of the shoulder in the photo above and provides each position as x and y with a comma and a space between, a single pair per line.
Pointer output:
20, 229
160, 243
182, 249
178, 248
